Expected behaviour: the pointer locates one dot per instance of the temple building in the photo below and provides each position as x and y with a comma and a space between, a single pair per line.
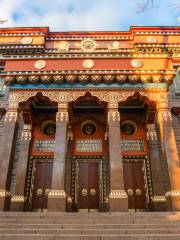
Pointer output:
90, 121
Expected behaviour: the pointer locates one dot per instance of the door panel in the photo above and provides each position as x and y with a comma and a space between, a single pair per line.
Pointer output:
93, 185
42, 182
134, 184
88, 185
138, 180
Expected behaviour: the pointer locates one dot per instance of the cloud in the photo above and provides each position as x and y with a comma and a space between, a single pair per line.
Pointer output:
86, 15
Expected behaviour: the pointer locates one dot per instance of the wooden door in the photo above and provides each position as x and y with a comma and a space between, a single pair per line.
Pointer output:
88, 185
42, 185
135, 184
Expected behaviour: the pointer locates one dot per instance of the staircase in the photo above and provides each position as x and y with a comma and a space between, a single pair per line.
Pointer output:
94, 226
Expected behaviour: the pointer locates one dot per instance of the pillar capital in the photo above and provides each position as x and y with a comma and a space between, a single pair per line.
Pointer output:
11, 115
26, 134
113, 113
62, 113
151, 132
164, 115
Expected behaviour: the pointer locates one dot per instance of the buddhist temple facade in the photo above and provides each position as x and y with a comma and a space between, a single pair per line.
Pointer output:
90, 121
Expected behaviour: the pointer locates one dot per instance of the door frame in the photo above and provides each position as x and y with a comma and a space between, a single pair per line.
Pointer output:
30, 178
147, 176
102, 177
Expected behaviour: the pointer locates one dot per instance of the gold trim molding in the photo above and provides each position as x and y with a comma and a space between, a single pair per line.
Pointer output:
4, 193
173, 193
57, 194
18, 199
118, 194
115, 96
159, 199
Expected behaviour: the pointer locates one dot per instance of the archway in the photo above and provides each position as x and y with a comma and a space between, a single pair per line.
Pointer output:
88, 154
39, 112
137, 112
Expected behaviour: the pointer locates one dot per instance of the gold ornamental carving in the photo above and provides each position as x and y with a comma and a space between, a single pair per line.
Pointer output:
26, 134
63, 46
88, 45
62, 115
88, 63
40, 64
18, 199
159, 96
164, 115
56, 194
137, 63
151, 132
11, 115
159, 199
151, 39
173, 193
113, 115
26, 40
118, 194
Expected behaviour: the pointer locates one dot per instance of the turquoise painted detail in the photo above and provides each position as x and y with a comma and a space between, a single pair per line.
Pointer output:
89, 85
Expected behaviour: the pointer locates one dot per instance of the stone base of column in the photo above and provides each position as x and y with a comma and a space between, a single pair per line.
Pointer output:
159, 204
173, 200
5, 200
17, 203
57, 201
118, 201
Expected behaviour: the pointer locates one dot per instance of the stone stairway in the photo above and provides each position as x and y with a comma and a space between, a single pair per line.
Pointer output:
94, 226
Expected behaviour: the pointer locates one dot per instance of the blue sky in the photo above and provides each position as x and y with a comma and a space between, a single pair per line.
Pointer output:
86, 15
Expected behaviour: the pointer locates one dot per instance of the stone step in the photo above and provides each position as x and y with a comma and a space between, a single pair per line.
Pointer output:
87, 221
89, 226
95, 237
89, 232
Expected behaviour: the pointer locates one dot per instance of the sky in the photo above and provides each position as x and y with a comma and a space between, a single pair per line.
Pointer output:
89, 15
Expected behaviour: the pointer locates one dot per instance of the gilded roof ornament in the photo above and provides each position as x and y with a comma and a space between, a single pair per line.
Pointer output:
26, 40
88, 63
152, 39
88, 45
40, 64
136, 63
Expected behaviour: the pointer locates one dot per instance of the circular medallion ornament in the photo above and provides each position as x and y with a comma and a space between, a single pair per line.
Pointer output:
26, 40
128, 127
136, 63
48, 128
152, 40
40, 64
88, 45
88, 127
88, 63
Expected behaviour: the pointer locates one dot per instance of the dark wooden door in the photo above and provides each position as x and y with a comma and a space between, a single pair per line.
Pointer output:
42, 185
135, 184
88, 185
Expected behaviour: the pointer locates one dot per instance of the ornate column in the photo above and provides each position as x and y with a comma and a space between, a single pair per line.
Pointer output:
18, 200
57, 195
169, 149
7, 150
159, 200
118, 200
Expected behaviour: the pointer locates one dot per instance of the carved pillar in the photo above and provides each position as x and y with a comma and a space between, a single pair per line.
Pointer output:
159, 200
18, 200
57, 195
7, 150
118, 200
169, 149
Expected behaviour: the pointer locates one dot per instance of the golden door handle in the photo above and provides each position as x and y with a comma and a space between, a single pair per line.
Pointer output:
47, 191
84, 192
92, 192
138, 192
39, 191
130, 192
